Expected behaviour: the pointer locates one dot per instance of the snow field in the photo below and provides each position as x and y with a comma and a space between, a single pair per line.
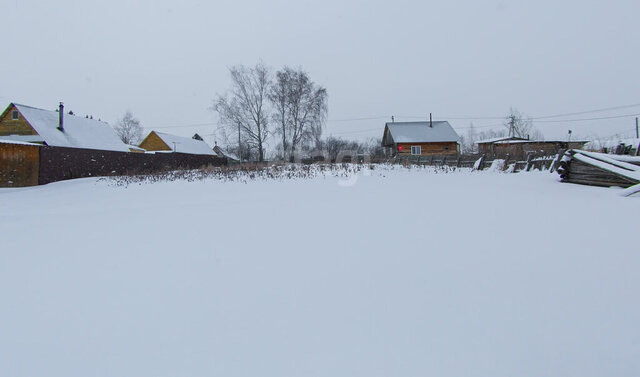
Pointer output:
404, 273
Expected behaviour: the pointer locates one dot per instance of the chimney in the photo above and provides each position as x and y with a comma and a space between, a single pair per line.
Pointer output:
61, 117
430, 121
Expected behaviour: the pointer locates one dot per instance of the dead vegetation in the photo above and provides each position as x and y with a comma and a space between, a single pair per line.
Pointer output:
273, 172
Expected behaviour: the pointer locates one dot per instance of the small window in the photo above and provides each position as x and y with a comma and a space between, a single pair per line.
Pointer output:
446, 148
15, 115
416, 149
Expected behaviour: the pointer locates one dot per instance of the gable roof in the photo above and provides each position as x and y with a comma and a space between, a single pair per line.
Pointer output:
185, 144
78, 132
419, 132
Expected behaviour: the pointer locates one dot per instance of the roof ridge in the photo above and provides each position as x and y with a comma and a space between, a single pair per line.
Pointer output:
31, 107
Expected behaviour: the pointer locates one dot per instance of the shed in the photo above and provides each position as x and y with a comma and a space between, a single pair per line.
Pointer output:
520, 148
420, 138
55, 128
163, 142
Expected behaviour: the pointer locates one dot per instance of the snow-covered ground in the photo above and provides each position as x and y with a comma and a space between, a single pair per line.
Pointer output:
401, 273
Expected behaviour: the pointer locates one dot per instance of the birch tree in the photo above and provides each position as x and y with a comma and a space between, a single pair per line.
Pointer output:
129, 128
300, 109
244, 106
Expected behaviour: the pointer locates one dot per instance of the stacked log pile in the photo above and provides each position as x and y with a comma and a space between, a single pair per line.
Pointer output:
598, 169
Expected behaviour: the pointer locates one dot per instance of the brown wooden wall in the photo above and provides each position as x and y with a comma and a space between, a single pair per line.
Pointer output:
153, 142
521, 150
429, 149
14, 127
19, 165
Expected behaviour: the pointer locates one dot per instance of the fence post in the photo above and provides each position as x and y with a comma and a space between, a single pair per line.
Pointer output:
529, 158
556, 162
480, 162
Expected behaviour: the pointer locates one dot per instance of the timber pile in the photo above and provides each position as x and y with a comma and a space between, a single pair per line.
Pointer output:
598, 169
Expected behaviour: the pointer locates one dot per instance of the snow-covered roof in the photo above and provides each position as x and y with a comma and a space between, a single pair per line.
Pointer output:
9, 141
225, 153
25, 138
537, 141
185, 144
78, 132
130, 146
495, 139
420, 132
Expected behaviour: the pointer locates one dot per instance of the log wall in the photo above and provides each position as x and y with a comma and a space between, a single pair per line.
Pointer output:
428, 149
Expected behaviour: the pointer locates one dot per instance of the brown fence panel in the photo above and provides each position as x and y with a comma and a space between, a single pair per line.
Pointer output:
59, 163
18, 165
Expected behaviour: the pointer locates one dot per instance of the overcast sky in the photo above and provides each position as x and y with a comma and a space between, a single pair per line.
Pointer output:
167, 60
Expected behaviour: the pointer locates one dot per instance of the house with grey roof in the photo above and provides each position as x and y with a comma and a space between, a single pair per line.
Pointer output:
420, 139
21, 123
164, 142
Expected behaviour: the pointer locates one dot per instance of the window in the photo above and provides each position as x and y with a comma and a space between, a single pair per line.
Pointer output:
15, 115
416, 149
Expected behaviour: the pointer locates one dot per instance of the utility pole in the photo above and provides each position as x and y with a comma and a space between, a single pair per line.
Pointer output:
637, 136
512, 126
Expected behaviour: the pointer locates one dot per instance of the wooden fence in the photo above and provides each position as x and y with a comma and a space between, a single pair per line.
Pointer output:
29, 165
482, 161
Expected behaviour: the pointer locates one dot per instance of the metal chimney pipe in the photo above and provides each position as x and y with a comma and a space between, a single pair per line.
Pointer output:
430, 121
61, 117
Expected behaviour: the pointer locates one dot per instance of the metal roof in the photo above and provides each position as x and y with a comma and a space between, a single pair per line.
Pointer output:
500, 138
185, 144
419, 132
79, 132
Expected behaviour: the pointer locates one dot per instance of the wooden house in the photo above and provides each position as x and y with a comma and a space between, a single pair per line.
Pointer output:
163, 142
420, 139
28, 124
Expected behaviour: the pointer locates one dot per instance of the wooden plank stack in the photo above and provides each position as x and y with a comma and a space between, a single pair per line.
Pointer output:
597, 169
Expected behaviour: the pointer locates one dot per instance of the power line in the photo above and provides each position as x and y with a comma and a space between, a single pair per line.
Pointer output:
539, 119
358, 119
586, 119
589, 111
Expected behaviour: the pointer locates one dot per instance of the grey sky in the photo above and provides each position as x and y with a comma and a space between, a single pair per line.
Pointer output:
166, 60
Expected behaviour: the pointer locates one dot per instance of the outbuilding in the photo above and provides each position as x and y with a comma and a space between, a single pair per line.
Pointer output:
520, 148
163, 142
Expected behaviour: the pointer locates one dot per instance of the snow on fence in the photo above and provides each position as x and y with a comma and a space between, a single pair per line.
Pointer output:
482, 162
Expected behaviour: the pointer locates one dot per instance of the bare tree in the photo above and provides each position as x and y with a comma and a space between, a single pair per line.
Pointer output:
129, 129
279, 97
244, 106
300, 109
